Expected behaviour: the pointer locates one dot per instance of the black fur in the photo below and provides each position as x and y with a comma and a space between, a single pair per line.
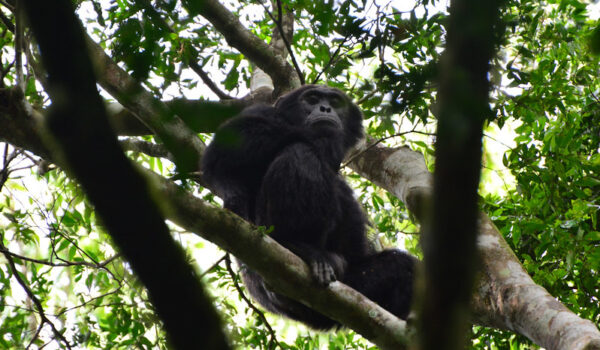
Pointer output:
278, 166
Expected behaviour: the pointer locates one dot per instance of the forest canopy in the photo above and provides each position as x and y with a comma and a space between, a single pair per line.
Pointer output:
481, 158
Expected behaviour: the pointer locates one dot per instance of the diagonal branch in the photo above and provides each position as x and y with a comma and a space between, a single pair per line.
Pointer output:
204, 76
278, 265
285, 272
183, 143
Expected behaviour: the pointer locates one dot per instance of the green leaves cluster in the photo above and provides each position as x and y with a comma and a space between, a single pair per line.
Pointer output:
68, 263
551, 218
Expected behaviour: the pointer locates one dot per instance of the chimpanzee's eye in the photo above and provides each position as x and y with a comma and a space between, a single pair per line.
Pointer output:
336, 102
312, 99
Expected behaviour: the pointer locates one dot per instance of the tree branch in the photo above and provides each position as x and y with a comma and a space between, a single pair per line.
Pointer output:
33, 298
206, 78
281, 269
5, 251
184, 144
282, 34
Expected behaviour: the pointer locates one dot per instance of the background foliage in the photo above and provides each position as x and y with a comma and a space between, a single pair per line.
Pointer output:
541, 177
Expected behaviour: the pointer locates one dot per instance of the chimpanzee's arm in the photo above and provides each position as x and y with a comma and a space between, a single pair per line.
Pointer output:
298, 196
235, 162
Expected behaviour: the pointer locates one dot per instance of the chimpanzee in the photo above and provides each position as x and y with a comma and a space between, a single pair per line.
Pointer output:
279, 166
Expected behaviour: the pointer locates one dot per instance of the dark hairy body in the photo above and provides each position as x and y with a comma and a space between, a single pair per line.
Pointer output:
279, 166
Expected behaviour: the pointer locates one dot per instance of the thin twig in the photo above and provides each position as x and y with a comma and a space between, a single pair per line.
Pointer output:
331, 59
101, 296
413, 131
278, 24
500, 142
19, 28
273, 343
35, 335
593, 95
63, 264
206, 78
31, 295
366, 97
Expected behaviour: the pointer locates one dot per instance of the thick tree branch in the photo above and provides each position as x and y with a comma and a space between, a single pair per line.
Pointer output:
79, 126
506, 297
401, 171
284, 271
